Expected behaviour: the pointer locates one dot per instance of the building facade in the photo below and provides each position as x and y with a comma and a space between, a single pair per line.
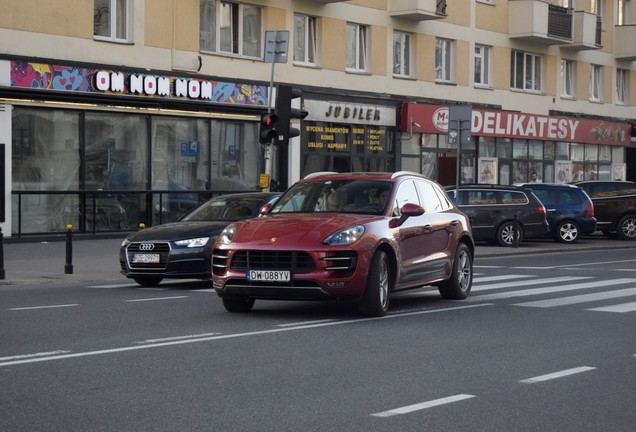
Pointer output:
120, 112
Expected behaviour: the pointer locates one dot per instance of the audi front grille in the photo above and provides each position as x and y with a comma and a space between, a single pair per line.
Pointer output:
163, 249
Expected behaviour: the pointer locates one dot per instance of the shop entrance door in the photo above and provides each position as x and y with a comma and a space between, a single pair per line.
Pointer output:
447, 169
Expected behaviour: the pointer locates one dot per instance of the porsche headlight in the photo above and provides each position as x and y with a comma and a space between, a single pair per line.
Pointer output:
345, 236
195, 242
226, 236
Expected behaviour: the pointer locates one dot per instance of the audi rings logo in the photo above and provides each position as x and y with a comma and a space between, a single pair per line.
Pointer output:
146, 246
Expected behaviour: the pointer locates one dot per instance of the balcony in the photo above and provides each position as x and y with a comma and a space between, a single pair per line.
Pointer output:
586, 31
624, 46
539, 22
418, 10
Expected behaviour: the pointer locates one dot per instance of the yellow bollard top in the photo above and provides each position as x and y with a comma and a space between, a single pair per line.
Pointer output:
69, 227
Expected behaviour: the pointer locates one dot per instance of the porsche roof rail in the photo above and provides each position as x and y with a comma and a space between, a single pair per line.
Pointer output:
319, 173
402, 173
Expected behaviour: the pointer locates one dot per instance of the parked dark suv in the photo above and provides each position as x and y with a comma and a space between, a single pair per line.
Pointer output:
614, 206
351, 236
497, 211
569, 211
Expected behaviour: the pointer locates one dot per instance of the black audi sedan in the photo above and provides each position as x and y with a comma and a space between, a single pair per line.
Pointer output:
183, 249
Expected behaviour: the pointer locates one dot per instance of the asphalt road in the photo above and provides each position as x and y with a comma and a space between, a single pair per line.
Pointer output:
545, 342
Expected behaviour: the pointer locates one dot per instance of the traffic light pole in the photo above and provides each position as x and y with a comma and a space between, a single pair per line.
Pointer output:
268, 147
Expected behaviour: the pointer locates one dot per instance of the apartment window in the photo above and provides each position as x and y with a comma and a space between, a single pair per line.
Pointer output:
401, 54
230, 28
622, 86
304, 39
596, 83
525, 71
357, 47
597, 8
111, 20
482, 65
567, 78
443, 60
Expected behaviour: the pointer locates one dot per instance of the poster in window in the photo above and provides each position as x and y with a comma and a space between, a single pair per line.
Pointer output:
562, 171
488, 170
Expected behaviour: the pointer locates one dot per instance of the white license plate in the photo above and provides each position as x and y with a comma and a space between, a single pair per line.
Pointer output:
269, 275
145, 259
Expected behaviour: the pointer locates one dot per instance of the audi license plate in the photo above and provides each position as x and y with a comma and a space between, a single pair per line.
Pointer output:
145, 259
269, 275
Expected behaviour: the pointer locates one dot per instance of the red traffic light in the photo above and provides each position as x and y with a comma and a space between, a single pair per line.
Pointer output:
268, 128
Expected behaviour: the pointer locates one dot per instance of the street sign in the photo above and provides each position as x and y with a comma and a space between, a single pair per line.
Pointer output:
276, 46
459, 124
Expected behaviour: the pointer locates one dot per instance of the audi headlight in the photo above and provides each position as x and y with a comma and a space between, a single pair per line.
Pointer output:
125, 242
227, 235
195, 242
345, 236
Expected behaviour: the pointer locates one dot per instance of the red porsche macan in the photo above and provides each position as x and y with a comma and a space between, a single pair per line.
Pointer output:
347, 236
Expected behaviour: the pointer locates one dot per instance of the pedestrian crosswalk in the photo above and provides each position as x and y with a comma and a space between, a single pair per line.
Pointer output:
557, 291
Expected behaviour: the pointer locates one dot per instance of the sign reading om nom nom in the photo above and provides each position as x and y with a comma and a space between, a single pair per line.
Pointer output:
25, 74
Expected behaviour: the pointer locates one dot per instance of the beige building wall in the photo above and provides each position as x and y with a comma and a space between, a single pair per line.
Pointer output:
165, 36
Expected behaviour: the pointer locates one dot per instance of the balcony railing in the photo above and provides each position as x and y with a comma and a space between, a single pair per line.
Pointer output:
419, 10
586, 31
539, 22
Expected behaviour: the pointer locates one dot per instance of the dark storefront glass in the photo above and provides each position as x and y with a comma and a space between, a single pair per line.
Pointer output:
135, 168
343, 148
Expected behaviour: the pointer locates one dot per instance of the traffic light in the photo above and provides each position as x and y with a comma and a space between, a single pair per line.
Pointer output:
284, 97
268, 130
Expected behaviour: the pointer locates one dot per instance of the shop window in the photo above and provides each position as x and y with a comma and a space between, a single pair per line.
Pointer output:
111, 20
519, 149
535, 150
429, 165
520, 171
548, 150
591, 152
429, 141
604, 153
504, 148
401, 54
442, 142
548, 173
357, 47
486, 147
45, 156
504, 173
563, 151
230, 28
305, 39
618, 155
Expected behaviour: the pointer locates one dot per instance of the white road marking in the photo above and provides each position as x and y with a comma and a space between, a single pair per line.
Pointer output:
501, 277
423, 405
206, 290
228, 336
197, 336
528, 283
304, 323
24, 356
552, 289
156, 298
44, 307
128, 285
584, 298
555, 375
619, 308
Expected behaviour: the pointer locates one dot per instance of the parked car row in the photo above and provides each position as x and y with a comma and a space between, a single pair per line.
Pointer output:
508, 214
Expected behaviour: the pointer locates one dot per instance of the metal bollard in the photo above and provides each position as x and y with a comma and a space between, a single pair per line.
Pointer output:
1, 255
142, 225
68, 267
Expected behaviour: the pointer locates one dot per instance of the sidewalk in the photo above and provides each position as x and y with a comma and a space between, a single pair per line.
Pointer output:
98, 259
